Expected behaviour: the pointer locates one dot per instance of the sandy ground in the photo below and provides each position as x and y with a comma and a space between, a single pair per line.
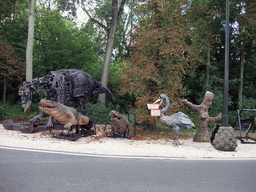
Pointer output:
101, 145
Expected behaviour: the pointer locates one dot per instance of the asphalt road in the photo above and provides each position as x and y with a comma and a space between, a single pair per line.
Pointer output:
41, 171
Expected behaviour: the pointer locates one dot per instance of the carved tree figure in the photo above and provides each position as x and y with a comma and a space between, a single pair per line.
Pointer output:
202, 134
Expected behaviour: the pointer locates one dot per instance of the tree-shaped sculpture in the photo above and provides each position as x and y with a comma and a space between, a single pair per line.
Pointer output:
202, 134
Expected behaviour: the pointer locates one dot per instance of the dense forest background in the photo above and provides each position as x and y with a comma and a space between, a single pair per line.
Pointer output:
160, 46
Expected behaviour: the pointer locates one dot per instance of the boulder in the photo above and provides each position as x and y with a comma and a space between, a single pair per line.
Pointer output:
224, 138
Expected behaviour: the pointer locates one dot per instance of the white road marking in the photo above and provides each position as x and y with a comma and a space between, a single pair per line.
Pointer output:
125, 156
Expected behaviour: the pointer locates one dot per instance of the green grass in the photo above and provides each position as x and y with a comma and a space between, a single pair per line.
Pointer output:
10, 111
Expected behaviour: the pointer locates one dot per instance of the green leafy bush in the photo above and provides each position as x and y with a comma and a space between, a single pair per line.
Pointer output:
8, 111
2, 111
101, 113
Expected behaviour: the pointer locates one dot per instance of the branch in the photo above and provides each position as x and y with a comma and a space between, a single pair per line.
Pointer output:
94, 20
121, 9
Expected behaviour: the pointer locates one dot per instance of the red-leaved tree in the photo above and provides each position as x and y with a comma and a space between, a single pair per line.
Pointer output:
162, 52
11, 66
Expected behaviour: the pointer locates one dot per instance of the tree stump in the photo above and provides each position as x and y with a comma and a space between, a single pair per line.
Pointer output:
202, 134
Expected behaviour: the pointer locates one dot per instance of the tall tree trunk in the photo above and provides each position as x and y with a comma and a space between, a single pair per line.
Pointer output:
110, 45
208, 66
107, 61
209, 50
4, 95
111, 32
29, 51
240, 94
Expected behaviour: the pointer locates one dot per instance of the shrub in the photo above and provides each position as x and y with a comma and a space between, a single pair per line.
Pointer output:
2, 111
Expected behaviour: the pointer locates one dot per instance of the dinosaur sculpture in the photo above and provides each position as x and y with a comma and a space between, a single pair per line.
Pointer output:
175, 121
64, 114
66, 86
119, 124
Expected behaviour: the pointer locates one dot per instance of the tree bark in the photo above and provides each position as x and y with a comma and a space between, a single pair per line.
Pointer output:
116, 14
111, 32
209, 49
208, 65
240, 94
29, 51
108, 55
4, 95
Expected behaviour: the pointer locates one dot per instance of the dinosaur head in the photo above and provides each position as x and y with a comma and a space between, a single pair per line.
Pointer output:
25, 92
48, 106
115, 115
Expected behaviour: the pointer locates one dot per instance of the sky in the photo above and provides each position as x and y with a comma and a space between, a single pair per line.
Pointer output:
81, 17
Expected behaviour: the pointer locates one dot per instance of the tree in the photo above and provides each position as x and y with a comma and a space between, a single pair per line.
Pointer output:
6, 8
207, 17
11, 57
161, 55
60, 44
110, 26
11, 66
29, 52
105, 14
246, 19
203, 14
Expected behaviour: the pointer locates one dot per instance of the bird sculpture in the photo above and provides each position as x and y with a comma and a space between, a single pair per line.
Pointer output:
175, 121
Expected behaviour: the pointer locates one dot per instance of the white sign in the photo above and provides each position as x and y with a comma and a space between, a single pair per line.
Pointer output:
153, 106
155, 112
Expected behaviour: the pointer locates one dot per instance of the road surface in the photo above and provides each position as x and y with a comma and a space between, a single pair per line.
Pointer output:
36, 171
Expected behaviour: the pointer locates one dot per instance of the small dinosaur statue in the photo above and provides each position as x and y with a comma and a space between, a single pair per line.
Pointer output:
64, 114
119, 124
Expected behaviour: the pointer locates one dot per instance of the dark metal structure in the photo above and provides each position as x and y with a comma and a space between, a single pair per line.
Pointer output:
26, 127
246, 125
67, 86
81, 130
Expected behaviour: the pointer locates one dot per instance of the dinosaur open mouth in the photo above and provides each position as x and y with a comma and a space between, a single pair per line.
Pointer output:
115, 116
45, 105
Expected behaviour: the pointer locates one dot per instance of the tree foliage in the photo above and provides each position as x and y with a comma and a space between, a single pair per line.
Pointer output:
11, 48
60, 44
11, 66
161, 55
105, 14
108, 20
246, 19
168, 41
